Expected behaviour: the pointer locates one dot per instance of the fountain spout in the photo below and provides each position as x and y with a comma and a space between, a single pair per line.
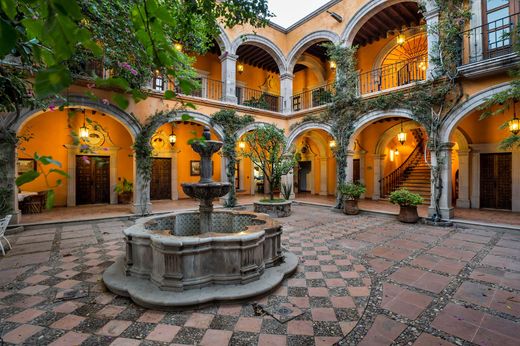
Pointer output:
206, 189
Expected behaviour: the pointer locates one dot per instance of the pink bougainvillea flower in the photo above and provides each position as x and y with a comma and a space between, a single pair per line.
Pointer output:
91, 85
134, 72
85, 159
105, 101
105, 149
52, 107
84, 147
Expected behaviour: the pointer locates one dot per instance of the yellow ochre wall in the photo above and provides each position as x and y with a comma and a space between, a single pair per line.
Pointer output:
51, 133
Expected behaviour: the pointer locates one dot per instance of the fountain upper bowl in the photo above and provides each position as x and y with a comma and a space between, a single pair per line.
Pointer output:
206, 190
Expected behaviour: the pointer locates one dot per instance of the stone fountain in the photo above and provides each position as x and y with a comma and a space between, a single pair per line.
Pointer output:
191, 258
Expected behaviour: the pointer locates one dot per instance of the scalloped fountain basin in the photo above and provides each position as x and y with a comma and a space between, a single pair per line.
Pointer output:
174, 255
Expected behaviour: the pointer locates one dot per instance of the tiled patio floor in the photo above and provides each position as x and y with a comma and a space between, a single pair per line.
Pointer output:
365, 280
107, 211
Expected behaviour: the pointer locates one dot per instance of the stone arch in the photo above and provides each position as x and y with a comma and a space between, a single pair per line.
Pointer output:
223, 40
455, 116
250, 127
197, 117
461, 139
263, 43
127, 120
307, 41
307, 126
363, 15
369, 118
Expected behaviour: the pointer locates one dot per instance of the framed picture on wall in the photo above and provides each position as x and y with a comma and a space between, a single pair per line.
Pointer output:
195, 168
26, 165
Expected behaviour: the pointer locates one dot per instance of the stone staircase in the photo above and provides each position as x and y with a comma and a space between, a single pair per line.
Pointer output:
417, 179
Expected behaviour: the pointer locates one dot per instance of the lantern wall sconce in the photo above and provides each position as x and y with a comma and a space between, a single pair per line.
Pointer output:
401, 38
242, 145
240, 68
396, 152
172, 138
83, 130
332, 144
514, 124
401, 136
333, 65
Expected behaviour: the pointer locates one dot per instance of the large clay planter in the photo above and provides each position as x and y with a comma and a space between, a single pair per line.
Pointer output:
124, 197
350, 207
408, 214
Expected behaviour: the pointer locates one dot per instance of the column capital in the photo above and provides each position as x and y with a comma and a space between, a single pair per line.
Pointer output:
431, 9
228, 56
286, 75
350, 153
463, 152
447, 146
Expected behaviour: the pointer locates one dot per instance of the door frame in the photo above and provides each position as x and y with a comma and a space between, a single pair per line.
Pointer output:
491, 148
72, 152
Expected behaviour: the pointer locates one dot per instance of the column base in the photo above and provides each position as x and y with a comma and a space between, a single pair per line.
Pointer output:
376, 197
463, 203
142, 209
16, 218
446, 213
230, 99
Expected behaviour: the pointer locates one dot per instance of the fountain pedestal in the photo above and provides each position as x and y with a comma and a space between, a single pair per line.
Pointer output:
192, 258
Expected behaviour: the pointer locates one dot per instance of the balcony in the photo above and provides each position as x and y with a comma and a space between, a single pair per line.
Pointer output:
313, 98
488, 48
259, 99
393, 76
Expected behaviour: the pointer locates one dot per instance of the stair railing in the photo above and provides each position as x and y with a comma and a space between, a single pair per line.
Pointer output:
390, 182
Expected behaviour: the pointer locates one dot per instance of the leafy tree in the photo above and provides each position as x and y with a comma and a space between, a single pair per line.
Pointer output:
231, 122
49, 39
267, 150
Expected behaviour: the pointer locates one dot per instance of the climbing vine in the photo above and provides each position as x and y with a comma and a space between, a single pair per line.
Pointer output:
428, 102
231, 122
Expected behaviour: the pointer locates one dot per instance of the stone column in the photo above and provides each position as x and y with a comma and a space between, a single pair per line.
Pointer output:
142, 204
175, 176
432, 19
349, 174
288, 179
378, 160
475, 179
445, 201
229, 73
286, 91
463, 198
9, 194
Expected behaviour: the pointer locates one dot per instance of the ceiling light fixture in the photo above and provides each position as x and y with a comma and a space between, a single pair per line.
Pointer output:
401, 136
514, 124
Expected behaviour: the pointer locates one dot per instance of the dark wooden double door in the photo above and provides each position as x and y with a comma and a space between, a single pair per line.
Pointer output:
161, 183
496, 181
92, 179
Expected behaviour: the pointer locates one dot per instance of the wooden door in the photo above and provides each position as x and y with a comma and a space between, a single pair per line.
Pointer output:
356, 177
161, 184
92, 179
496, 181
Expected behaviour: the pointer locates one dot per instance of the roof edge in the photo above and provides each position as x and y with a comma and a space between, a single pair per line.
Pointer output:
305, 19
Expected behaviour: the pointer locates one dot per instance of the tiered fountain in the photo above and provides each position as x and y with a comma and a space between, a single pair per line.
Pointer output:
191, 258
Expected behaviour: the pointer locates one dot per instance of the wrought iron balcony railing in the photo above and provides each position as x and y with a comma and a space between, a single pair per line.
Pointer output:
313, 98
259, 99
209, 88
394, 75
491, 40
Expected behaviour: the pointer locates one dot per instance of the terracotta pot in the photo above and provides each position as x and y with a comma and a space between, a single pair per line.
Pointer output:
124, 197
408, 214
350, 207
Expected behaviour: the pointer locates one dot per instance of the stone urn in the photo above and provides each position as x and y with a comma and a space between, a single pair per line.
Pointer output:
273, 209
408, 214
350, 207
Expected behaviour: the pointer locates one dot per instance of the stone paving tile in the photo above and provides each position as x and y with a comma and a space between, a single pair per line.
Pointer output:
426, 292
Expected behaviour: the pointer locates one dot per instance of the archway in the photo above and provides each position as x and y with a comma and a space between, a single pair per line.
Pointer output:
95, 162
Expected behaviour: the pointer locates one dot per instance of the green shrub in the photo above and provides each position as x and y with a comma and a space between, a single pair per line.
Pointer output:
405, 198
124, 186
286, 191
352, 191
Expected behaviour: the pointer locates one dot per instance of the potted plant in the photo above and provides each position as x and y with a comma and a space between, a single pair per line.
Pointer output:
351, 193
124, 189
408, 202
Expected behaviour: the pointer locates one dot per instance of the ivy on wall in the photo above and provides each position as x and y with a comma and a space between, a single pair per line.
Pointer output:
231, 122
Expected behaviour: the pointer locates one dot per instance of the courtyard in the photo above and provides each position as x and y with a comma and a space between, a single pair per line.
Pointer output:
365, 279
